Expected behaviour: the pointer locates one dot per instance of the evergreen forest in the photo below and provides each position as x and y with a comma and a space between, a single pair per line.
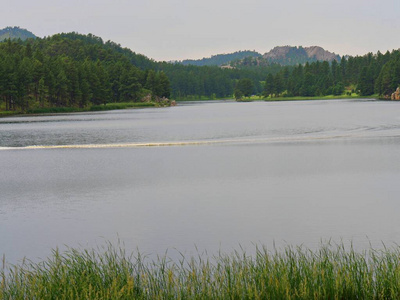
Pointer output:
364, 75
75, 70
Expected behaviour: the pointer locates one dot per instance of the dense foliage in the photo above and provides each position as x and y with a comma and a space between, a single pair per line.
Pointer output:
364, 75
71, 70
211, 81
244, 88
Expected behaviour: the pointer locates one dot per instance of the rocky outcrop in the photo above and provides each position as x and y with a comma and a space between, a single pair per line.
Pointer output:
278, 52
146, 98
396, 94
320, 54
158, 101
288, 55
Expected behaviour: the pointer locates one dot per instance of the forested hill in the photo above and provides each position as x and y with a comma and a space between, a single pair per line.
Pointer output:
73, 70
95, 48
15, 33
220, 59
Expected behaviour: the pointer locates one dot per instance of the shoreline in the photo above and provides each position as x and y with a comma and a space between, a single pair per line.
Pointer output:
133, 105
67, 110
294, 98
330, 97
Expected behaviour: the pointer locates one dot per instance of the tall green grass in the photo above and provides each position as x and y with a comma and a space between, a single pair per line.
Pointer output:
331, 272
329, 97
123, 105
4, 113
108, 106
51, 110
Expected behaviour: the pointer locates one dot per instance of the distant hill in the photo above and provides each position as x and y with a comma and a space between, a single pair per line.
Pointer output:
220, 59
15, 33
289, 56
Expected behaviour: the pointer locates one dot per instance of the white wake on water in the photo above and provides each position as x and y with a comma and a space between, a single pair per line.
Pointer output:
189, 143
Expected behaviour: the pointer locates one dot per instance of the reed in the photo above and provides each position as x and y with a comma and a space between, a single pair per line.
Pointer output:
330, 272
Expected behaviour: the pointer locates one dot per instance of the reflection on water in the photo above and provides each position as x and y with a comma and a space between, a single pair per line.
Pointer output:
294, 172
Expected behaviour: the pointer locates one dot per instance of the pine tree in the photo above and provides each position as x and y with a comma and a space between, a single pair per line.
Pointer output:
278, 84
62, 88
269, 85
366, 82
163, 85
246, 86
41, 92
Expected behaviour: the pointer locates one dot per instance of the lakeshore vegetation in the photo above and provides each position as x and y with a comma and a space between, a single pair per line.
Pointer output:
330, 272
76, 71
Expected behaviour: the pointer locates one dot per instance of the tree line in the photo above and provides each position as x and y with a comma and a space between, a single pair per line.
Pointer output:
212, 81
74, 70
365, 75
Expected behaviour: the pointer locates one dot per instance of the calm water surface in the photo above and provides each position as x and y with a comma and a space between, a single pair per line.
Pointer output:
283, 172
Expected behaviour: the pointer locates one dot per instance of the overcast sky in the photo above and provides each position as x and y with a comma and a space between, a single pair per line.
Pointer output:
181, 29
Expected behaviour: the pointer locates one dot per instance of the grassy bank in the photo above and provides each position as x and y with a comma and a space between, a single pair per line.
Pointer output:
202, 98
332, 272
261, 98
54, 110
329, 97
112, 106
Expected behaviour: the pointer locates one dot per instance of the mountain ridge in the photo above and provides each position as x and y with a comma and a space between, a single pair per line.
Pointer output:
283, 55
220, 59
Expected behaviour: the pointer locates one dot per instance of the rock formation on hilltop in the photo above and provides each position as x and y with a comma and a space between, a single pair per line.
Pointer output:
320, 54
288, 55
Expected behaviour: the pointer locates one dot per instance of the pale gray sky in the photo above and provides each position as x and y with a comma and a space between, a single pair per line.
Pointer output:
180, 29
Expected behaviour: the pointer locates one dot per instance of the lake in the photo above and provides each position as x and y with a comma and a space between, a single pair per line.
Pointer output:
209, 176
